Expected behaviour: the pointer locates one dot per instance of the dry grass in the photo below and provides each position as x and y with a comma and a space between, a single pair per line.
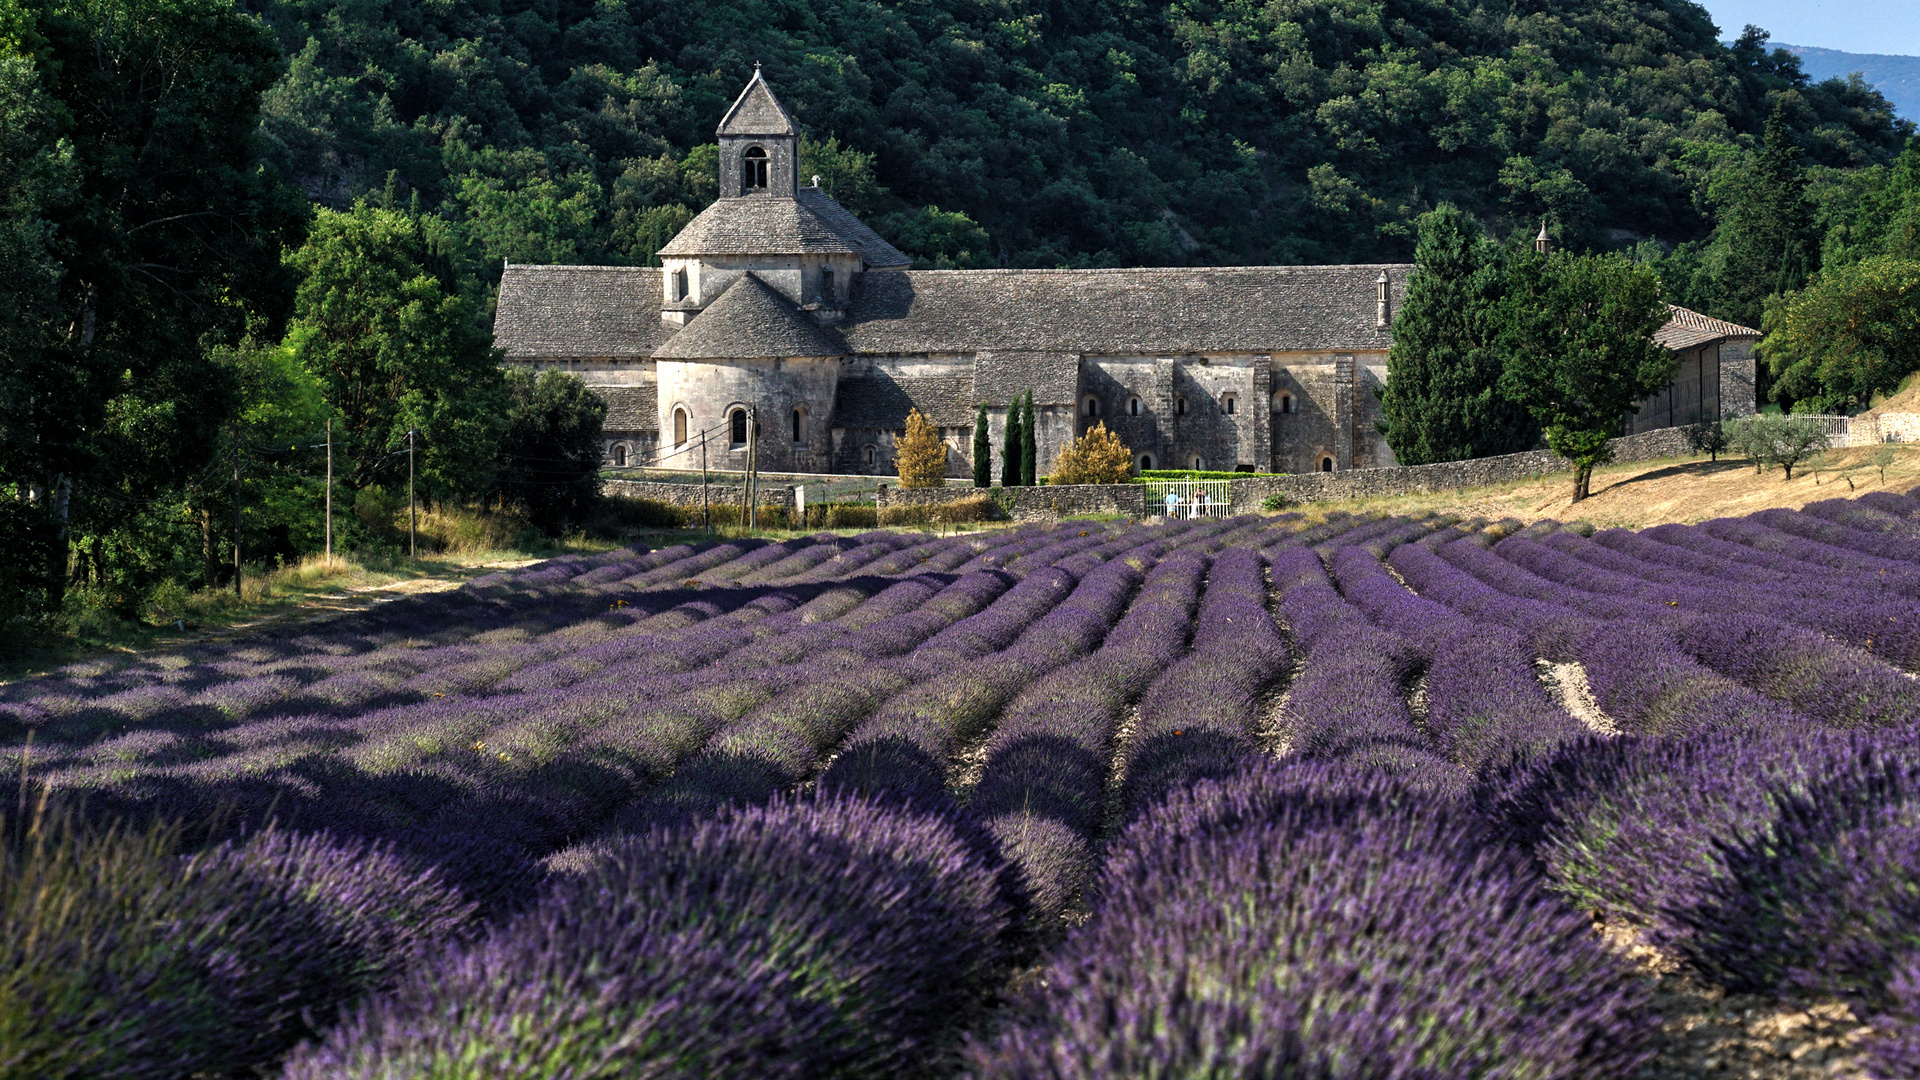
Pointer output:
1683, 490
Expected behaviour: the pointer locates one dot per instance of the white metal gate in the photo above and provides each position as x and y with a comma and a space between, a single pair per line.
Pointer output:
1196, 498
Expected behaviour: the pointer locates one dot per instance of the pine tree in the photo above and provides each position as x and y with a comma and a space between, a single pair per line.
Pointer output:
1029, 450
1443, 400
982, 450
1010, 447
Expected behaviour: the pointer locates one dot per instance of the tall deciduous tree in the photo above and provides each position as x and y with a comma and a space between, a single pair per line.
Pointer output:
1578, 336
1855, 331
168, 234
382, 319
550, 452
1443, 400
982, 450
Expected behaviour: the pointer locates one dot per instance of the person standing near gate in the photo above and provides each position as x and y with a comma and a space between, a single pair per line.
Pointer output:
1199, 504
1173, 504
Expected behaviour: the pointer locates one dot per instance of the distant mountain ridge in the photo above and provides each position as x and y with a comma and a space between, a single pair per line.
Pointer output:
1898, 77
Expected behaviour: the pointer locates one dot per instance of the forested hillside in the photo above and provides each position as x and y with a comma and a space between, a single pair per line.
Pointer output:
1074, 133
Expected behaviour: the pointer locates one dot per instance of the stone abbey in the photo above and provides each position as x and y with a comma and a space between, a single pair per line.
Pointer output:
778, 300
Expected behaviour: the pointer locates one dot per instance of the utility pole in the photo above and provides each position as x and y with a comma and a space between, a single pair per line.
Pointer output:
236, 516
706, 503
329, 491
753, 469
413, 518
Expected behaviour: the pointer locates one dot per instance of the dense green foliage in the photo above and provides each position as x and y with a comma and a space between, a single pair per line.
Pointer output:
1577, 333
550, 452
982, 450
1121, 132
1010, 447
1029, 447
1443, 400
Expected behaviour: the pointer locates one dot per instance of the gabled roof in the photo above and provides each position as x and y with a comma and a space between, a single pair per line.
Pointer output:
1690, 329
881, 401
757, 112
1168, 312
579, 311
810, 223
746, 322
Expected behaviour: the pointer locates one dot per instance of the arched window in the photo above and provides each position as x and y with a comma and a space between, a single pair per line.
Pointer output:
867, 454
1199, 464
1180, 406
1091, 407
753, 170
619, 455
1226, 403
1146, 462
1326, 463
738, 418
1133, 406
1283, 402
679, 427
799, 425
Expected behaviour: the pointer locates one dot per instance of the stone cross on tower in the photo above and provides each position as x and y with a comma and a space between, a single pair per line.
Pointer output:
759, 145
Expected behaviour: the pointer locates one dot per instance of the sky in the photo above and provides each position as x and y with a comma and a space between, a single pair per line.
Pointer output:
1858, 26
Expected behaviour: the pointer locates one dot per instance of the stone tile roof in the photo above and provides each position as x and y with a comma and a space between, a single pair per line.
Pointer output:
874, 249
1054, 377
630, 408
1169, 311
809, 223
1690, 329
757, 112
579, 311
748, 321
882, 401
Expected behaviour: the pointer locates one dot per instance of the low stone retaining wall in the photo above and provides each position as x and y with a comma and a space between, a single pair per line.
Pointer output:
688, 495
1071, 500
1249, 493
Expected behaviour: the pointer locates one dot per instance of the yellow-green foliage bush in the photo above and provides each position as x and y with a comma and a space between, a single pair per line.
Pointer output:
921, 454
960, 511
1098, 457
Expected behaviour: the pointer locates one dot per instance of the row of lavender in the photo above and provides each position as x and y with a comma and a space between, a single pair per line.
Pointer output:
566, 727
1395, 898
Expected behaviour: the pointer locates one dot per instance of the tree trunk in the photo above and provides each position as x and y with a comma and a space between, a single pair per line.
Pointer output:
1582, 479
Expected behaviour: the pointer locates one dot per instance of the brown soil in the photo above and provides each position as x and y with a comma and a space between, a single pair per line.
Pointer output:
1709, 1032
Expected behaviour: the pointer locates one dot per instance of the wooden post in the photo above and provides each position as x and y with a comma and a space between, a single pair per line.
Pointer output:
412, 516
752, 479
236, 516
329, 491
706, 502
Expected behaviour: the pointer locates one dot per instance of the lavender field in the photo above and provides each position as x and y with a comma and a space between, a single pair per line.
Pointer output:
1183, 799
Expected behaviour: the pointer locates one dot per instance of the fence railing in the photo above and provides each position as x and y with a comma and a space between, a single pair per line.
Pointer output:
1189, 498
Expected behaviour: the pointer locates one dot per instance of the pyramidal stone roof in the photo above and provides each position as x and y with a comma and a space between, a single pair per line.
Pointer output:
747, 322
810, 223
757, 112
1690, 329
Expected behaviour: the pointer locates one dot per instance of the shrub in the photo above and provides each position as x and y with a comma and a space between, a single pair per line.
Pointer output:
1893, 1053
1828, 900
921, 454
817, 936
1276, 501
1226, 941
1187, 474
1098, 457
972, 508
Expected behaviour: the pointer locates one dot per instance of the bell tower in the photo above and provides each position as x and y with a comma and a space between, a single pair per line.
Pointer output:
759, 145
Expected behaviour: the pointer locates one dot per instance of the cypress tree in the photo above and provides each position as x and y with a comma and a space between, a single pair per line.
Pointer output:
1029, 451
982, 450
1010, 447
1443, 400
1768, 229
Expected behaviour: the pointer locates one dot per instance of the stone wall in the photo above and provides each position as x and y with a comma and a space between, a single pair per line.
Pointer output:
1249, 493
688, 495
1068, 500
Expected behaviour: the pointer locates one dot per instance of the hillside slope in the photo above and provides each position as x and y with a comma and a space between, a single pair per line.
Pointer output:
1897, 77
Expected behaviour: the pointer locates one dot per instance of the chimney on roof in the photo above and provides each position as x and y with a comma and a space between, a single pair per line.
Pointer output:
1381, 314
1543, 243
